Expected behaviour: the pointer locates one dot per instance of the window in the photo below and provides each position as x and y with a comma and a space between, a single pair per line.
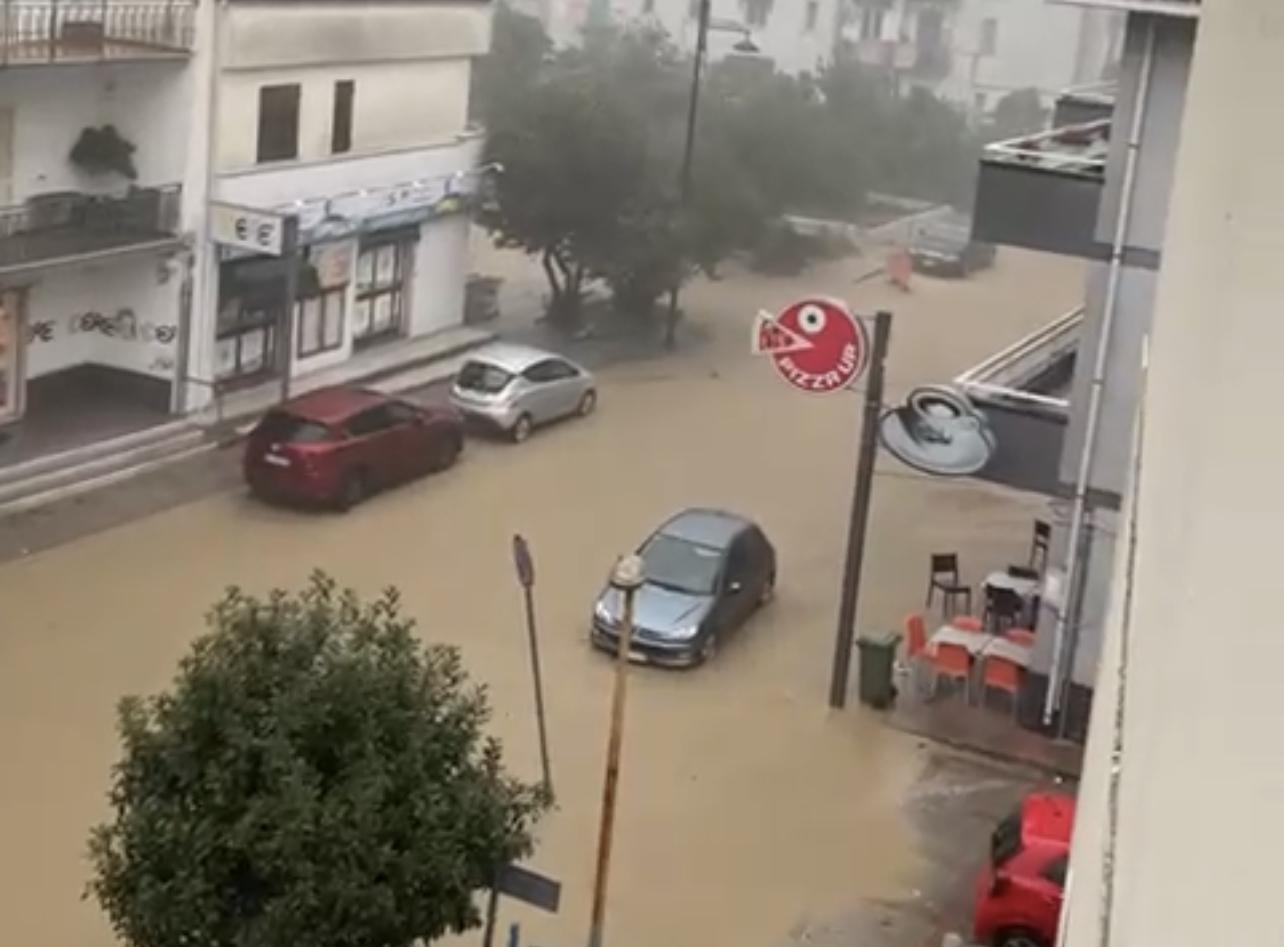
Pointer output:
871, 23
371, 421
341, 123
757, 12
813, 14
487, 379
552, 369
1005, 843
319, 322
1055, 870
278, 122
282, 428
681, 566
381, 297
989, 43
402, 413
648, 7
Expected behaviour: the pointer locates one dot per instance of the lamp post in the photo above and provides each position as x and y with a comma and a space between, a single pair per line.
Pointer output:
627, 578
745, 46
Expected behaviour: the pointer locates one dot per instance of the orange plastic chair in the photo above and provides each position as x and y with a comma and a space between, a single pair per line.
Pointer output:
915, 636
967, 623
1000, 674
952, 661
1021, 636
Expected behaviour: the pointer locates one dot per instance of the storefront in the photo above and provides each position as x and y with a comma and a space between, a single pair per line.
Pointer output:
384, 268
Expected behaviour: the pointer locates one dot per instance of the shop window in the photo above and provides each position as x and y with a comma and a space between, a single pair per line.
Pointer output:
251, 297
10, 311
320, 322
382, 273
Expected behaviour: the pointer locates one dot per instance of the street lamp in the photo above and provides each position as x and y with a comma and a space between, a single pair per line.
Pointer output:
627, 578
746, 46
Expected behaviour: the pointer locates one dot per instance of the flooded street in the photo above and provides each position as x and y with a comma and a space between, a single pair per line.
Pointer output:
747, 810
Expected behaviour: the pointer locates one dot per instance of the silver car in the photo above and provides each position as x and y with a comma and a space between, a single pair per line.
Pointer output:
705, 573
513, 388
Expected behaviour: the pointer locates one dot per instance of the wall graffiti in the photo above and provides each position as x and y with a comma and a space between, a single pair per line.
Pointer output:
124, 325
41, 331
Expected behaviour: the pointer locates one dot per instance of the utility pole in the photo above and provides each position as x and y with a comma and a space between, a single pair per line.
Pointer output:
627, 578
858, 523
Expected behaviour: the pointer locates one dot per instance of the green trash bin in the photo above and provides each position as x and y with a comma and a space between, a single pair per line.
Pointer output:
878, 668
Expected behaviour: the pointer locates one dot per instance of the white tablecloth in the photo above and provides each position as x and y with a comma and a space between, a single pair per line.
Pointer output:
1006, 580
983, 645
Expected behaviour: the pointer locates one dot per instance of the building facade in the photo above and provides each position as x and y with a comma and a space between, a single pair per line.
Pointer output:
99, 187
130, 130
795, 36
974, 52
1096, 185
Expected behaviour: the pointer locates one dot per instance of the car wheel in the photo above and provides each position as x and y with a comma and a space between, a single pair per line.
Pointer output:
521, 428
1019, 937
447, 453
588, 401
352, 492
709, 648
768, 590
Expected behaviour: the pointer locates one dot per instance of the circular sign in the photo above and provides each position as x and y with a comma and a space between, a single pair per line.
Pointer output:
938, 431
816, 344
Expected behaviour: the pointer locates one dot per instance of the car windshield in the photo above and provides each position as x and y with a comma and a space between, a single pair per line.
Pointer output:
682, 566
484, 377
946, 237
282, 428
1005, 843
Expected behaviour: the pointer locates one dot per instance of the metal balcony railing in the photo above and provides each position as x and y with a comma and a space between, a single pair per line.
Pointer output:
36, 31
1079, 150
68, 224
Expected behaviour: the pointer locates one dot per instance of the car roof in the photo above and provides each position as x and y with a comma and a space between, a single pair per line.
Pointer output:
1047, 818
332, 405
708, 527
510, 357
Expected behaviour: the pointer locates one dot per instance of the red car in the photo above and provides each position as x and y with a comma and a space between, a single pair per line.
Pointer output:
1018, 895
337, 445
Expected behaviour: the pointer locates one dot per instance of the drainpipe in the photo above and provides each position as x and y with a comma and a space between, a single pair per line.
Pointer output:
1062, 660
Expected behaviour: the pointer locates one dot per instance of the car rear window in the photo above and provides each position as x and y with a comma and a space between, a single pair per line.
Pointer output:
1005, 843
483, 377
282, 428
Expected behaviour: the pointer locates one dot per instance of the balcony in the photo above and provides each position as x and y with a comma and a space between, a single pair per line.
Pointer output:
1024, 392
1186, 8
1043, 191
33, 32
1080, 105
64, 226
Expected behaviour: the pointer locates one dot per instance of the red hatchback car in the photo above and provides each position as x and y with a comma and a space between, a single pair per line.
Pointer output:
337, 445
1019, 894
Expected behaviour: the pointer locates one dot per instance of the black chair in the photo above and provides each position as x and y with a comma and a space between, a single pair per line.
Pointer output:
1039, 543
1004, 609
1021, 572
945, 579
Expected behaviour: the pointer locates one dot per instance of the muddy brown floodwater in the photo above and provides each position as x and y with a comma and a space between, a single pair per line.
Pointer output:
747, 811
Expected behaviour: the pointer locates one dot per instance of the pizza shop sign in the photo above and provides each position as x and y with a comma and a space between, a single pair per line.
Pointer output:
816, 344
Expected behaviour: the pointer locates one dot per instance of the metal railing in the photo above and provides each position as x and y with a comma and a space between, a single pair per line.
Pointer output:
1073, 149
34, 31
995, 376
69, 223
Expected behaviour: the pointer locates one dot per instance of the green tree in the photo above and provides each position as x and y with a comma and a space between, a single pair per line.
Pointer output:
315, 776
518, 50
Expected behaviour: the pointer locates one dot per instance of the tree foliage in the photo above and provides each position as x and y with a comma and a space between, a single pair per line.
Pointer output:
592, 143
314, 776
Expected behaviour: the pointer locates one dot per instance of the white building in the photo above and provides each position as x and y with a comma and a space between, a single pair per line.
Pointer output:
797, 36
117, 309
974, 52
353, 118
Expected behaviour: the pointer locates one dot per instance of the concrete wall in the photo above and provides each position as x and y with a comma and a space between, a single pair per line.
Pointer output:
396, 104
137, 294
149, 103
1181, 800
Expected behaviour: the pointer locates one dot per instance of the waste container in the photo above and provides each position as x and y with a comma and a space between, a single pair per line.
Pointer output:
877, 667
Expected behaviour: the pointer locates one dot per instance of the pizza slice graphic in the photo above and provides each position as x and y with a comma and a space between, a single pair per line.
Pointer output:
772, 338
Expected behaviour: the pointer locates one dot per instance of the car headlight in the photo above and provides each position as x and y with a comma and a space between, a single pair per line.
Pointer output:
603, 614
687, 633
